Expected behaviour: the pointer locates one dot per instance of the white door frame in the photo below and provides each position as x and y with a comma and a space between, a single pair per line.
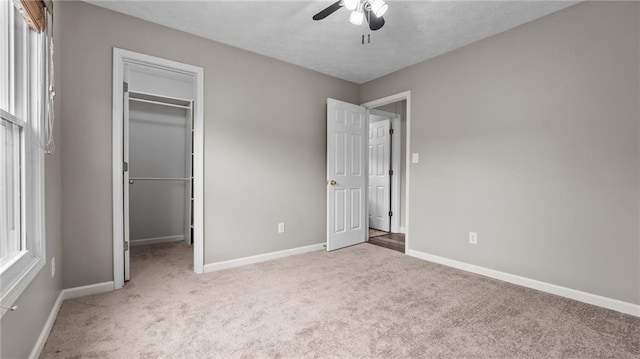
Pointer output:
385, 101
120, 57
396, 146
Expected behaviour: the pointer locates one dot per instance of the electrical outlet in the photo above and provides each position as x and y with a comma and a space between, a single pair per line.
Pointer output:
53, 266
473, 238
281, 227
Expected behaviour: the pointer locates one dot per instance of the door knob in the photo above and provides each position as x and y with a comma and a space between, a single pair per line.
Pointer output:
333, 182
131, 181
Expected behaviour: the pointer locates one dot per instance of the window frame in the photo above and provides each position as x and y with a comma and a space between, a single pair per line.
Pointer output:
26, 90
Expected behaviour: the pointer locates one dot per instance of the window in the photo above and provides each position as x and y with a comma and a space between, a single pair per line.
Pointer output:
10, 179
22, 113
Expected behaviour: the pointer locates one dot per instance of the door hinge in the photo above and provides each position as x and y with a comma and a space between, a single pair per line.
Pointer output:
390, 214
390, 172
125, 86
125, 167
391, 131
126, 246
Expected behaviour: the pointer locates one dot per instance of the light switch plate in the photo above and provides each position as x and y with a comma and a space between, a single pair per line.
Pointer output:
415, 157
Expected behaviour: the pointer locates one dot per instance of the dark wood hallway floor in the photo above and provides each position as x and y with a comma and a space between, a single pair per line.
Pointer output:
394, 241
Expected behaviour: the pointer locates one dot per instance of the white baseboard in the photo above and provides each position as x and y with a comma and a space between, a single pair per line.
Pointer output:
65, 294
594, 299
156, 240
212, 267
46, 329
87, 290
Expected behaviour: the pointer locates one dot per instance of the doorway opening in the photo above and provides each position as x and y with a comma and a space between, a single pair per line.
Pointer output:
157, 164
348, 170
400, 105
386, 172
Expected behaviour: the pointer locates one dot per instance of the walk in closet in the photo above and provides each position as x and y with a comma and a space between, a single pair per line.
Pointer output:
160, 171
158, 158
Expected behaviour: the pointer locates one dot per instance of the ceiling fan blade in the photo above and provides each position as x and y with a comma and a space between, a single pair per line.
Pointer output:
328, 11
375, 23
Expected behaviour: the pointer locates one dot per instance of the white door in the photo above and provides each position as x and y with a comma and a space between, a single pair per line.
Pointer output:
125, 123
380, 175
346, 175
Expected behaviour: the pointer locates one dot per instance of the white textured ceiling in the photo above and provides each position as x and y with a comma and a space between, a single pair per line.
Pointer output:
414, 31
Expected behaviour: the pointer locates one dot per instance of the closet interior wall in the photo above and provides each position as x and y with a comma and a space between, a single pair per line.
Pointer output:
160, 155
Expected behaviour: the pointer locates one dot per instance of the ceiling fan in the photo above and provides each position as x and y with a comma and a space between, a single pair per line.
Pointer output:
372, 10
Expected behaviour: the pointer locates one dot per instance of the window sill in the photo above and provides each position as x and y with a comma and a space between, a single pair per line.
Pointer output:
12, 288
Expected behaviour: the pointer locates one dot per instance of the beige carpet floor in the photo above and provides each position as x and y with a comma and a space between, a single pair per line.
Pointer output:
359, 302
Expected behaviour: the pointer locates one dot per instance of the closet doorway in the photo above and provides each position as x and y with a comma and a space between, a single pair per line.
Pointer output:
158, 152
157, 158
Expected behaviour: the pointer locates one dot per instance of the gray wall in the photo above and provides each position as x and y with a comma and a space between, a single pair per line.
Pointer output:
20, 329
530, 138
264, 141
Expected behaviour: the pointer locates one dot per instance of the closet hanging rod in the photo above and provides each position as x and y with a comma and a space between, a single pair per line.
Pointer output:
158, 179
161, 98
159, 103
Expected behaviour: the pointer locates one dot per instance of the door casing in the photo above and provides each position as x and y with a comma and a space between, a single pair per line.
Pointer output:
120, 58
406, 95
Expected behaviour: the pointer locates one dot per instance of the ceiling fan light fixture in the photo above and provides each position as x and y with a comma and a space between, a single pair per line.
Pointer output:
362, 10
351, 4
357, 16
379, 7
